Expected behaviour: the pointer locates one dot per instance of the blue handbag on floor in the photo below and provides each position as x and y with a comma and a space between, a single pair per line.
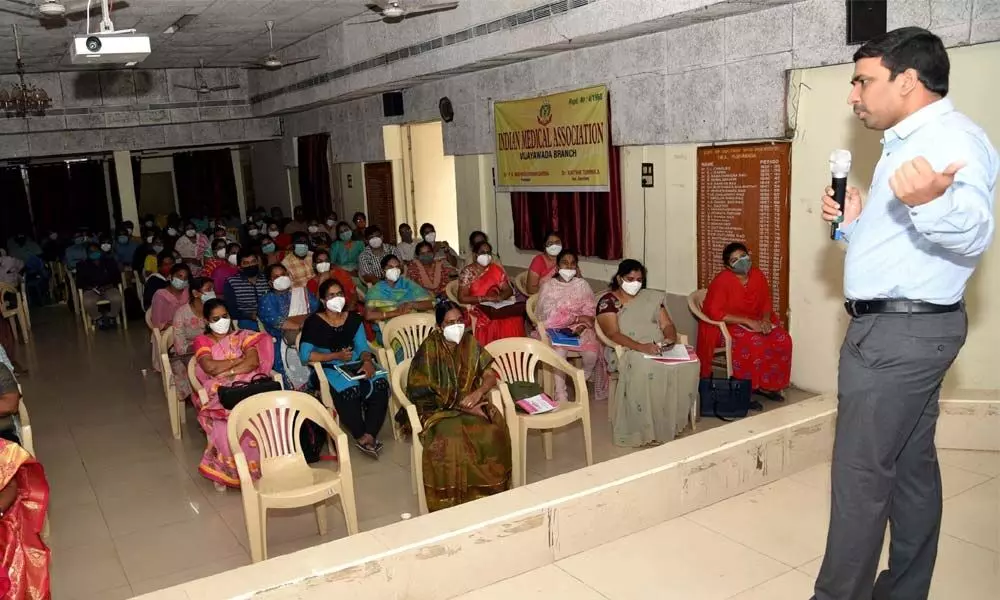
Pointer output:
725, 399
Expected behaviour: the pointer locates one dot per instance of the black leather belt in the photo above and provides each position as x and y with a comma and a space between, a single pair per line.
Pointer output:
856, 308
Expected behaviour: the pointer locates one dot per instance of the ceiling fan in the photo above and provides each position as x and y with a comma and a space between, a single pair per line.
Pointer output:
203, 87
271, 62
395, 11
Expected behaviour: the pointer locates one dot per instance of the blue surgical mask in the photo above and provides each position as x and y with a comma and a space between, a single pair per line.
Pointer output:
742, 265
345, 235
179, 284
95, 255
301, 250
206, 296
267, 248
123, 239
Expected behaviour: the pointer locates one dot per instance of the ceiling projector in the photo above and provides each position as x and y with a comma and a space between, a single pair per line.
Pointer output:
107, 48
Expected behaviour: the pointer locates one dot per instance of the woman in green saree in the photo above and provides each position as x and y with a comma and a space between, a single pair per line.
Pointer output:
467, 447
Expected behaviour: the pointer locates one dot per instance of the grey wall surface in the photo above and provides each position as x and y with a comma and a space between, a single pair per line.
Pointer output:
716, 81
270, 182
100, 111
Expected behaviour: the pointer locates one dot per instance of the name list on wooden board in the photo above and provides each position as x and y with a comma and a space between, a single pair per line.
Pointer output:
743, 196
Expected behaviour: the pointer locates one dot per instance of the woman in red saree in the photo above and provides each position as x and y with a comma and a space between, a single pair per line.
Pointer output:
24, 500
486, 281
740, 297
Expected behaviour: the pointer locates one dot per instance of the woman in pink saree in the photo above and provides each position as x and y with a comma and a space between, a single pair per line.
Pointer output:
224, 357
565, 301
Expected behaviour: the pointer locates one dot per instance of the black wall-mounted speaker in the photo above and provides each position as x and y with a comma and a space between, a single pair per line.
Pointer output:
866, 19
392, 104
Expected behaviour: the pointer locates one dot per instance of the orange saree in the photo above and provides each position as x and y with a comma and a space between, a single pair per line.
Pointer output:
25, 556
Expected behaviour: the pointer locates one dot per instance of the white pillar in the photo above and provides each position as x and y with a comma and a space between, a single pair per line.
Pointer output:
126, 188
241, 194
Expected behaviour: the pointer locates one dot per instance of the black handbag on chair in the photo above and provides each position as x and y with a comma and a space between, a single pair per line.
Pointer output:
230, 396
725, 399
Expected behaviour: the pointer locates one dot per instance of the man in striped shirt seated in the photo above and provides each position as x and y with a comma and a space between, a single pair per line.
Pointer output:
245, 289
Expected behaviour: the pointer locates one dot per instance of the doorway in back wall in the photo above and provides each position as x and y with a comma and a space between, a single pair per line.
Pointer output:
423, 179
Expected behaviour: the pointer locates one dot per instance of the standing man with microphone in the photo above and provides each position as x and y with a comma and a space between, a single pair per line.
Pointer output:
927, 220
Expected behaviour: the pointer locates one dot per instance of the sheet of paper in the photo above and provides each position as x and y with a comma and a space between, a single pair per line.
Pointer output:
500, 304
678, 352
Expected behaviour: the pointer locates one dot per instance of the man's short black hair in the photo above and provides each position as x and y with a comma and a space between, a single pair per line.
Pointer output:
372, 230
911, 48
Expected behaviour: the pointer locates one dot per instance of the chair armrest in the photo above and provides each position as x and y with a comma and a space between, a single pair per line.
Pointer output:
682, 338
243, 469
411, 413
203, 397
326, 397
277, 377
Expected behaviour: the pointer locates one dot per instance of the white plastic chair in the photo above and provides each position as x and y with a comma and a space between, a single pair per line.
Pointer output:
74, 296
695, 301
451, 290
25, 307
88, 325
409, 331
17, 315
518, 359
521, 282
175, 405
274, 420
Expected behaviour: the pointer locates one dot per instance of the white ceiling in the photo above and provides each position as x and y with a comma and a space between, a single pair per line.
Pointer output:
224, 32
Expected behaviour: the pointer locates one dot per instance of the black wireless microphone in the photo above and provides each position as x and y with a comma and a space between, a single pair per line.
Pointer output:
840, 166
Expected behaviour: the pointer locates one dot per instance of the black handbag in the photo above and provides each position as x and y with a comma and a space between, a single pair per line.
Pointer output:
231, 395
725, 399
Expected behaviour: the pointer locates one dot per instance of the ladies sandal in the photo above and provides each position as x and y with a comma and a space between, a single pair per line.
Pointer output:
369, 451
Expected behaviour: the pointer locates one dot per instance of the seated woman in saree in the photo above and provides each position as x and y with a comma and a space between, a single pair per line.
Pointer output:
544, 265
24, 501
283, 310
429, 271
467, 447
325, 269
169, 299
395, 295
346, 249
653, 398
486, 281
567, 302
225, 356
332, 336
740, 297
188, 323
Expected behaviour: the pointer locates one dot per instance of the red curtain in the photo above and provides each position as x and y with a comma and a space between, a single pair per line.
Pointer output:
14, 215
206, 184
589, 222
314, 175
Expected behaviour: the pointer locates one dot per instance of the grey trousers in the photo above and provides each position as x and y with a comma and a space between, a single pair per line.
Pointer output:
91, 298
885, 464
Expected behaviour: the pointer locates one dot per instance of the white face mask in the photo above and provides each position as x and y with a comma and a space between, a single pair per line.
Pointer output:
553, 250
206, 296
53, 236
221, 253
190, 232
453, 333
106, 247
272, 234
322, 267
631, 287
232, 259
567, 274
171, 231
282, 283
312, 229
330, 222
430, 237
393, 274
375, 242
253, 232
484, 260
149, 239
221, 326
336, 304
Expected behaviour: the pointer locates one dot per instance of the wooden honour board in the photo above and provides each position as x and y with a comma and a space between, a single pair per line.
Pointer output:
743, 196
